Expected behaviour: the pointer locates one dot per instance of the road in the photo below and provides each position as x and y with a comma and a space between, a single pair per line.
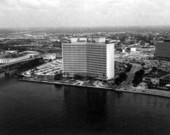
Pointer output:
131, 74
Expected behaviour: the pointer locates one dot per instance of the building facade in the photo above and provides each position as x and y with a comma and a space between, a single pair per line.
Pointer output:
93, 58
163, 50
74, 58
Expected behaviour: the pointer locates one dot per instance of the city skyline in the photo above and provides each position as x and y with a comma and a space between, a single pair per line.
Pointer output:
83, 13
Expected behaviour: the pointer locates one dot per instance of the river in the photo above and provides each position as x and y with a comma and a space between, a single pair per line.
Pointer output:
41, 109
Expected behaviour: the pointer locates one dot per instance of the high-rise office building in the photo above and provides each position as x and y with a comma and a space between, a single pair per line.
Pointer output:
96, 58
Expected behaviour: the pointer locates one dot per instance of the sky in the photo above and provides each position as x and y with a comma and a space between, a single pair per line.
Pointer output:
83, 13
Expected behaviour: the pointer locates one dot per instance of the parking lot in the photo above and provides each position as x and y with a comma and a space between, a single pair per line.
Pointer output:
47, 69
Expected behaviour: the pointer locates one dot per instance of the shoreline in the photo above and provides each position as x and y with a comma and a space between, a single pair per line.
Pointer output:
150, 92
65, 84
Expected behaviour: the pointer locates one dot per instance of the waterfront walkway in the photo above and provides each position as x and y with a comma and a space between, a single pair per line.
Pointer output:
153, 92
131, 89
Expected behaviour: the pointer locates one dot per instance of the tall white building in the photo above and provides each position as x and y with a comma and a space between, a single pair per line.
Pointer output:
96, 58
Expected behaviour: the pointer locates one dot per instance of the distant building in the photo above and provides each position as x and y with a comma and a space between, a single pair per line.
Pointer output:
11, 51
96, 58
131, 49
11, 56
163, 50
49, 56
164, 80
73, 40
10, 60
82, 40
99, 40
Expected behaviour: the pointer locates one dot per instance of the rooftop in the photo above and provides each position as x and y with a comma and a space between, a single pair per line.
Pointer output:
90, 39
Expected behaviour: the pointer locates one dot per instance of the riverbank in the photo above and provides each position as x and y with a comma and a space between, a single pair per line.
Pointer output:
152, 92
65, 84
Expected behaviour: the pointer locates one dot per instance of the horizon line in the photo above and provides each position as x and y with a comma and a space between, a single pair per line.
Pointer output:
54, 27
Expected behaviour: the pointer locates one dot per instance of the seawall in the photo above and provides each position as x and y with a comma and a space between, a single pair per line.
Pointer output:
153, 92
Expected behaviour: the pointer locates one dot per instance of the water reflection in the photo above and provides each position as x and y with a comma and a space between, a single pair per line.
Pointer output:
85, 108
34, 108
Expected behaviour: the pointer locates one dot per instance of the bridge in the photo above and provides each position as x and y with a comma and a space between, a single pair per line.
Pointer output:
13, 65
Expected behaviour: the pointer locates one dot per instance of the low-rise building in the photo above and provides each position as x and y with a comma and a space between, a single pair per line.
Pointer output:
163, 50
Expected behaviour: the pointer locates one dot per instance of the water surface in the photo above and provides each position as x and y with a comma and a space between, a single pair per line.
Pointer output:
41, 109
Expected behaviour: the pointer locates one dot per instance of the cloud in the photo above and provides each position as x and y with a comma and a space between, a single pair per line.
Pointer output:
30, 3
16, 13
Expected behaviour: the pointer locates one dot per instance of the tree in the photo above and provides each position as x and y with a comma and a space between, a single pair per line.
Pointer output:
129, 67
138, 77
90, 77
118, 81
122, 77
58, 76
78, 76
143, 64
150, 85
154, 69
